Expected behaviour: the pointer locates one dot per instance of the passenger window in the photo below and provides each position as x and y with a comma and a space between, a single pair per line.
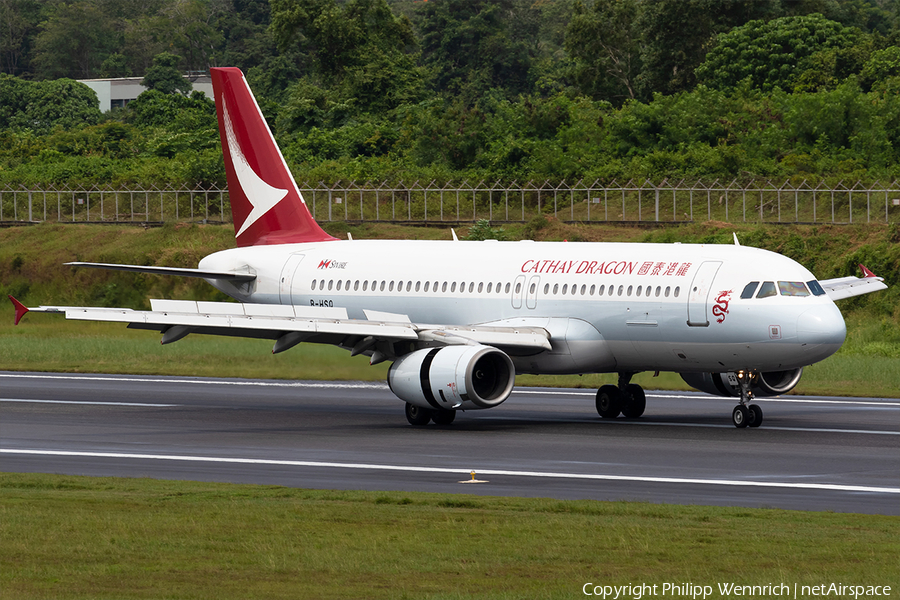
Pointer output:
574, 289
601, 290
749, 289
565, 288
418, 283
546, 288
658, 290
453, 287
649, 289
444, 287
347, 285
507, 288
591, 293
409, 286
555, 288
471, 287
480, 287
612, 289
815, 288
629, 290
531, 289
638, 292
391, 287
583, 289
330, 283
428, 285
382, 286
792, 288
621, 289
667, 291
365, 285
339, 285
356, 285
490, 285
677, 291
518, 287
767, 289
314, 285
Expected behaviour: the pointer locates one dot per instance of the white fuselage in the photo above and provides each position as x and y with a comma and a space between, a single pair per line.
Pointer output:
608, 306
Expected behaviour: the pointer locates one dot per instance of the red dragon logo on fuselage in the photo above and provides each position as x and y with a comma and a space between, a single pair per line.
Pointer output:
721, 307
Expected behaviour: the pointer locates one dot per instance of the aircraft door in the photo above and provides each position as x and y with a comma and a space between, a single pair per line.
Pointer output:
699, 293
287, 278
534, 285
518, 292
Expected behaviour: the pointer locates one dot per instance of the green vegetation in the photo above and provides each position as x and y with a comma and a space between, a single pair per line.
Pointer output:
31, 269
504, 90
78, 537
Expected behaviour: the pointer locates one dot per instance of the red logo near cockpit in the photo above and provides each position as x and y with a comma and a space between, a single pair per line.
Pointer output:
721, 307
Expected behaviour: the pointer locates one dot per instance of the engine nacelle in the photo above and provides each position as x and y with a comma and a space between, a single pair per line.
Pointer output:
772, 383
453, 377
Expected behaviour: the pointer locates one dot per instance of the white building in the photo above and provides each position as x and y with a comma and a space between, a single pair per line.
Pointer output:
118, 92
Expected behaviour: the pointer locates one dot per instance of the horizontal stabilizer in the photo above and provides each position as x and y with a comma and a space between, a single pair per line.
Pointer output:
227, 275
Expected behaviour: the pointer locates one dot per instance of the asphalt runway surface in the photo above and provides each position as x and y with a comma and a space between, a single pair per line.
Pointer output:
811, 453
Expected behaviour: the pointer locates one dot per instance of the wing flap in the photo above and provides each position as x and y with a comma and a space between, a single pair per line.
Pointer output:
273, 321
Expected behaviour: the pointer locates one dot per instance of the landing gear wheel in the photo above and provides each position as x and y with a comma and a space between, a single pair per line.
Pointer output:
443, 417
740, 416
416, 415
609, 401
634, 401
756, 415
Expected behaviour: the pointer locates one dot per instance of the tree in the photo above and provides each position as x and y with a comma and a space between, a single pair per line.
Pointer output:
471, 46
18, 27
75, 41
774, 53
164, 76
678, 33
361, 53
605, 43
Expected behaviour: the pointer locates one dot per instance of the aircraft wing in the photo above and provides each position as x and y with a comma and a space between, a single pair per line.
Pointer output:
229, 275
290, 325
847, 287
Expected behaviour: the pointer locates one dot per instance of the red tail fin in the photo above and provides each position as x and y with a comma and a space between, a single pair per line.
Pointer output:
266, 205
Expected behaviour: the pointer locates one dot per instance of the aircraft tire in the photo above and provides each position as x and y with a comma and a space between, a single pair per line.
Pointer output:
756, 415
740, 416
609, 401
634, 401
418, 416
443, 417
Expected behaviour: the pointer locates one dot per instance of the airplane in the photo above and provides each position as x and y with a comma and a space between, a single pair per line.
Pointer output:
459, 319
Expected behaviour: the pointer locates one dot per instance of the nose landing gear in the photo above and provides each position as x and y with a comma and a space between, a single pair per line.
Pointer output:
626, 398
746, 414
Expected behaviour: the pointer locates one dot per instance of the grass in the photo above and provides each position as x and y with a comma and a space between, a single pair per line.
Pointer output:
78, 537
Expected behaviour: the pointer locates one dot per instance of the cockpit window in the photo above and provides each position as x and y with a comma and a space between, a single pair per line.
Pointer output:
767, 289
815, 288
749, 289
793, 288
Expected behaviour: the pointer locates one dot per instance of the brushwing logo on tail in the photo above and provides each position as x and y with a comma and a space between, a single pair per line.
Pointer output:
262, 196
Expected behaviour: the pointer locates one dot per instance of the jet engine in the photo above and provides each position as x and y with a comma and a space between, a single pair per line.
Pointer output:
453, 377
772, 383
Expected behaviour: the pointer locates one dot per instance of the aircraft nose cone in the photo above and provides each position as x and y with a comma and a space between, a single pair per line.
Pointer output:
822, 325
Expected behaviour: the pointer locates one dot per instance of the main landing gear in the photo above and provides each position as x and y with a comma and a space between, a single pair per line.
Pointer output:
416, 415
626, 398
746, 414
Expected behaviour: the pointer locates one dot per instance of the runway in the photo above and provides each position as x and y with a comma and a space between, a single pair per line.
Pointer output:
811, 453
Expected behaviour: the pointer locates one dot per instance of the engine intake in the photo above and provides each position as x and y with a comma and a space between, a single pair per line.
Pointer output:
772, 383
453, 377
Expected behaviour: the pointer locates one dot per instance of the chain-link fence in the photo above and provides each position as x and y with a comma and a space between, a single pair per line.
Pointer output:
453, 202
